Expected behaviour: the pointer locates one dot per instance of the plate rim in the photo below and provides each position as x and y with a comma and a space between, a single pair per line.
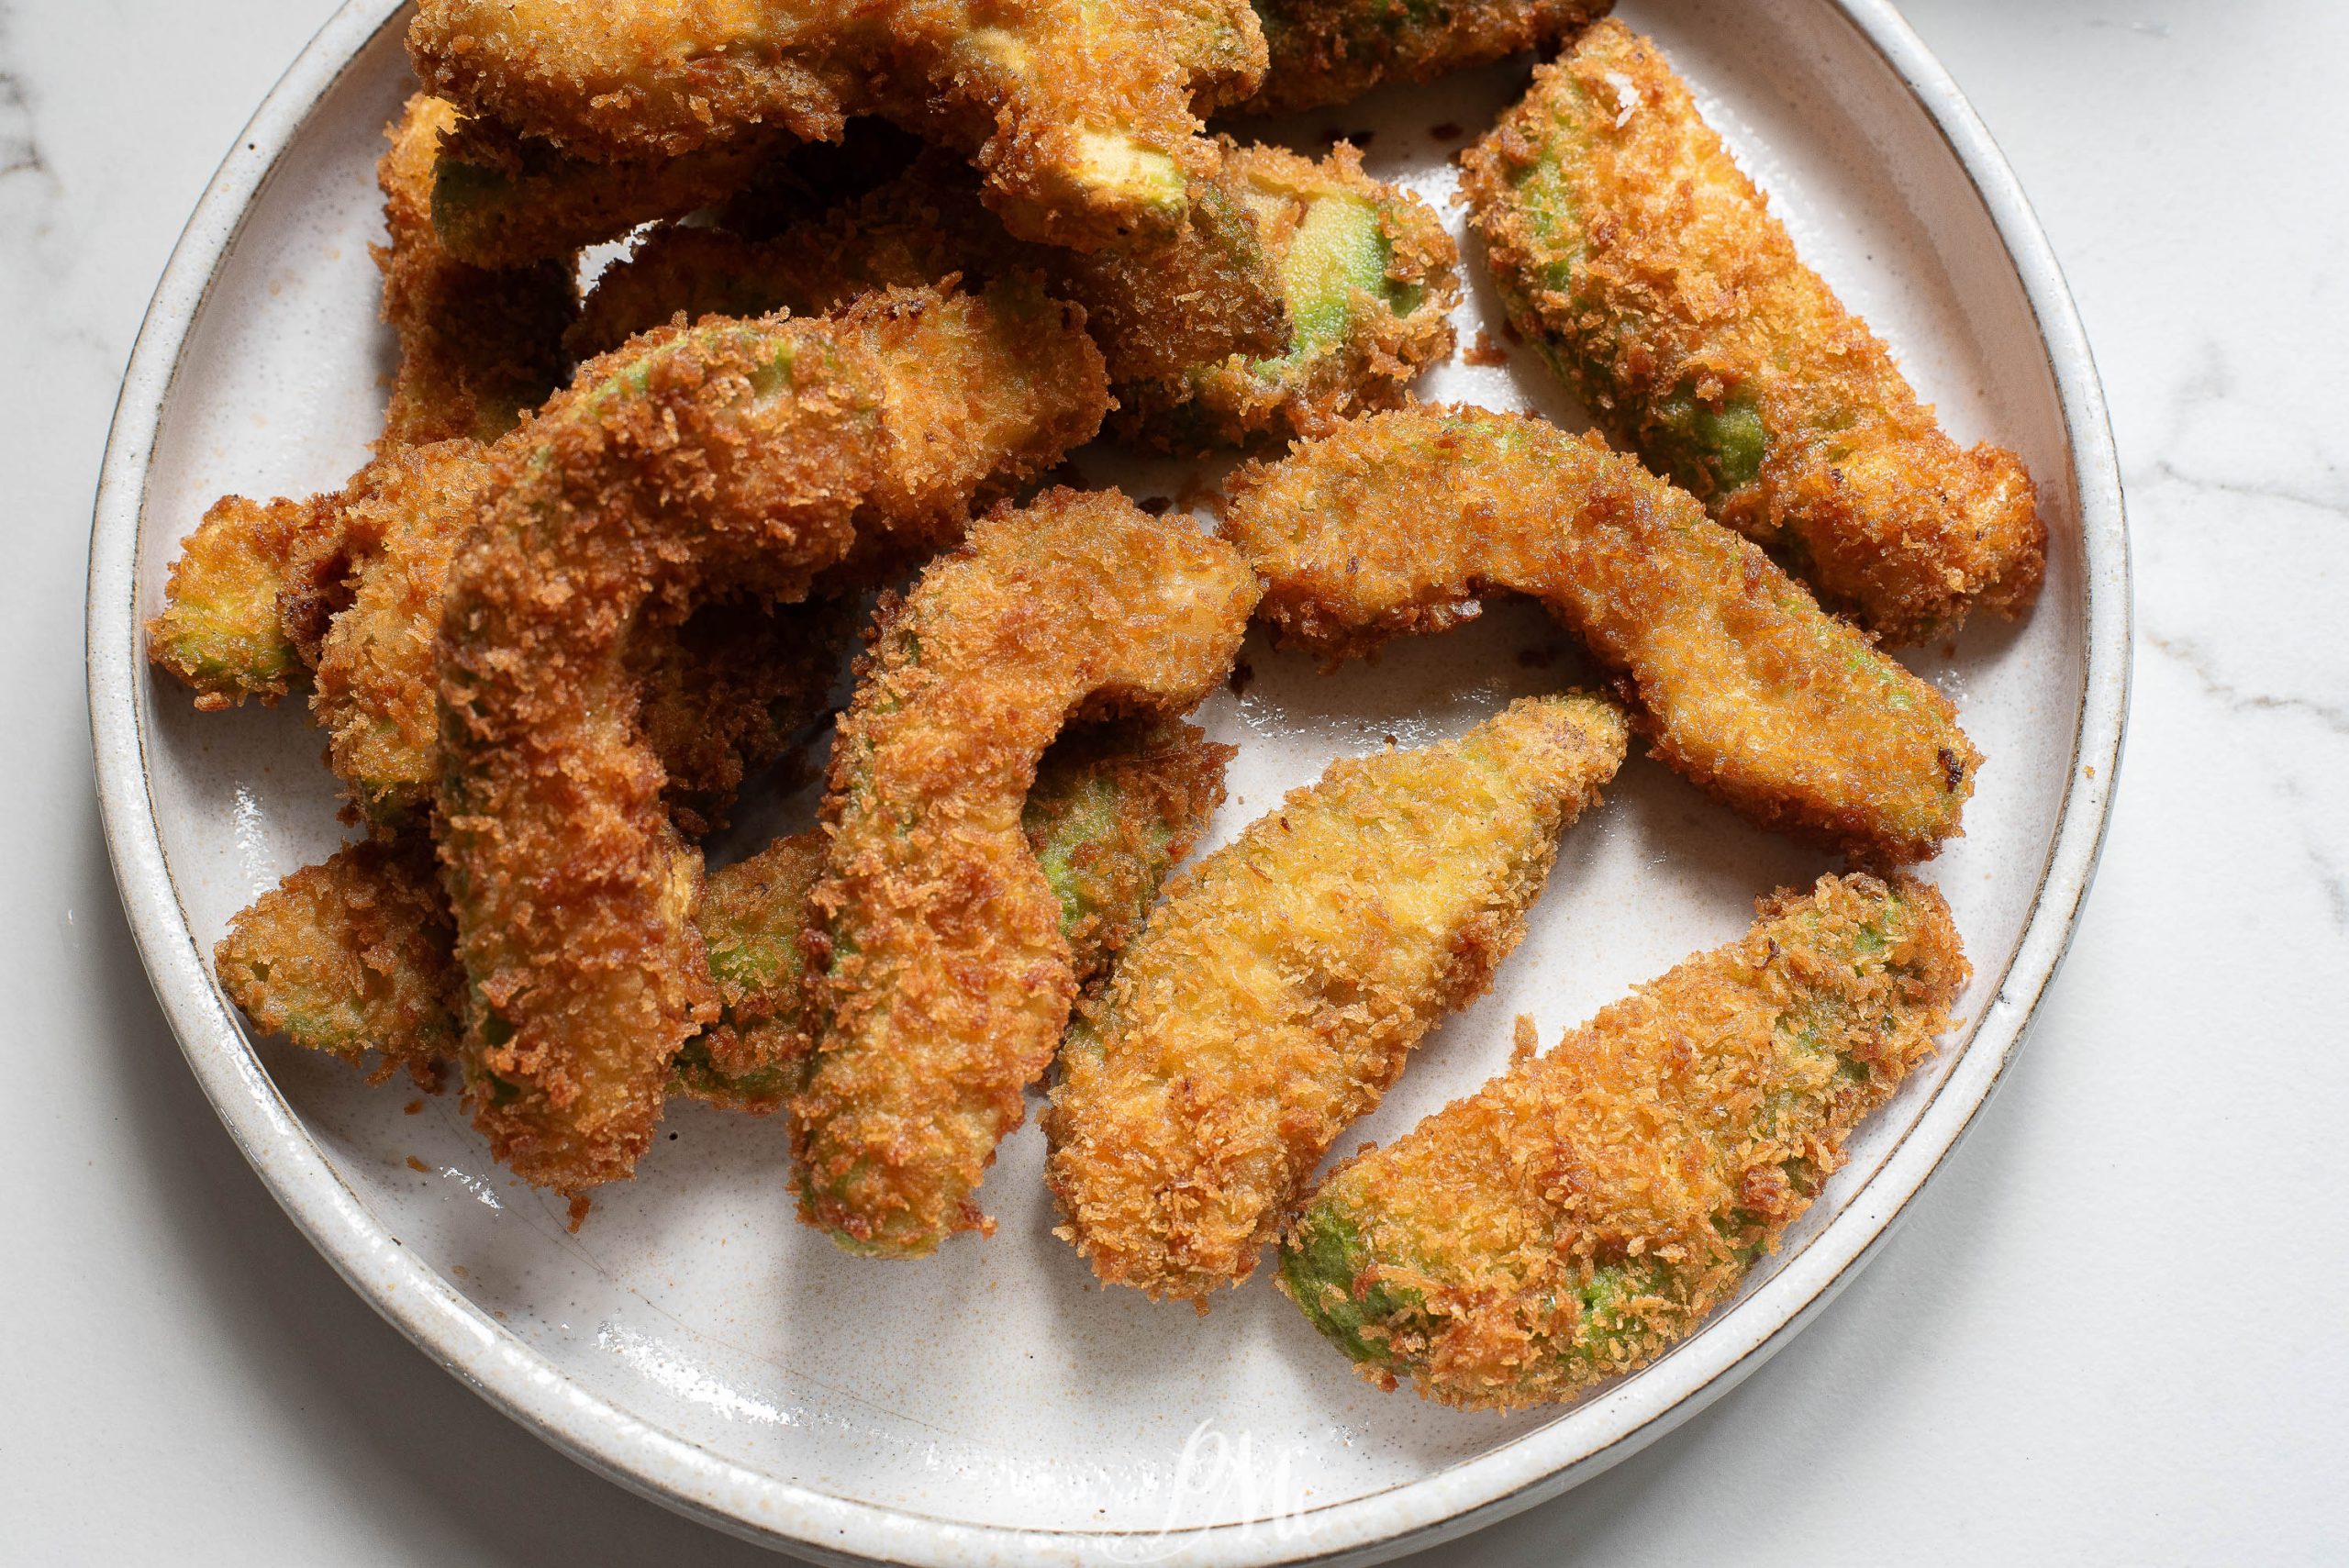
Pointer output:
529, 1388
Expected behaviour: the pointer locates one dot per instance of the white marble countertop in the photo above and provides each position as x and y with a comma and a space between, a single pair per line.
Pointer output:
2111, 1332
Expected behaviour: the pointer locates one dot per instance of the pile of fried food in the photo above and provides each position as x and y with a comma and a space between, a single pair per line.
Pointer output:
608, 556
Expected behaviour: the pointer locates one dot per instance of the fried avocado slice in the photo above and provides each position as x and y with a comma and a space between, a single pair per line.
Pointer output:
1273, 998
644, 80
946, 980
734, 458
352, 955
1081, 114
1159, 309
1632, 251
248, 604
358, 954
218, 631
374, 691
1327, 51
478, 348
1358, 278
1398, 522
720, 695
1368, 279
500, 199
1113, 808
1583, 1211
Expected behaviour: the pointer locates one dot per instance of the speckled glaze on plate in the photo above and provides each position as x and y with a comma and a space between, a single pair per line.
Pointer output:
991, 1405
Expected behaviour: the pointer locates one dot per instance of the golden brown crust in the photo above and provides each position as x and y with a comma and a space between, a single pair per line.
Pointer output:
1631, 247
351, 956
1327, 51
640, 79
1399, 522
1081, 114
946, 979
1274, 996
477, 349
1302, 291
502, 200
747, 454
1159, 307
1113, 808
219, 632
1588, 1209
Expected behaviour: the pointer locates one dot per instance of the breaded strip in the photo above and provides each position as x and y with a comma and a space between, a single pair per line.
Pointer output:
740, 457
1272, 998
1359, 275
645, 78
218, 631
1650, 272
1398, 522
1584, 1211
1160, 309
1326, 51
500, 199
1113, 808
1081, 114
1368, 279
477, 349
721, 694
947, 980
375, 691
358, 954
249, 598
352, 955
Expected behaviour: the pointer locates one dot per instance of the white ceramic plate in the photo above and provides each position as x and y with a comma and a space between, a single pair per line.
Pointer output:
991, 1403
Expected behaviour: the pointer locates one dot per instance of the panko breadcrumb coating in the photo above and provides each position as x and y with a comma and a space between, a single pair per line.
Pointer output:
1633, 251
1083, 115
478, 348
357, 954
1584, 1211
354, 955
500, 199
247, 608
1358, 280
946, 980
732, 458
1113, 808
1399, 523
1327, 51
1274, 996
219, 632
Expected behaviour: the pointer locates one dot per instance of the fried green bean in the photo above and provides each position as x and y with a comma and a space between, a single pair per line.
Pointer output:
1638, 257
946, 980
1275, 995
742, 454
1399, 521
1586, 1210
1327, 51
